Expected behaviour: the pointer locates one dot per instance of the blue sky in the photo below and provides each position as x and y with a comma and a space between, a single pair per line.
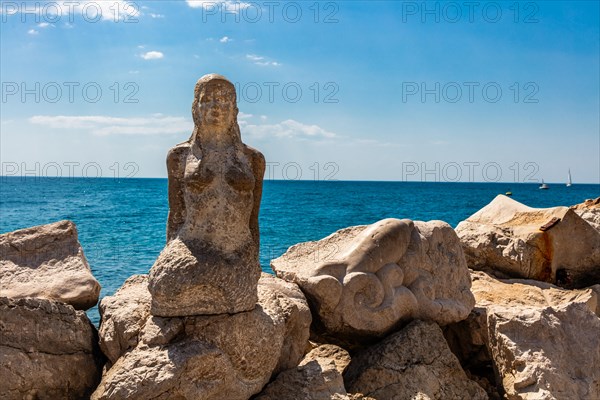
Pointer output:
378, 90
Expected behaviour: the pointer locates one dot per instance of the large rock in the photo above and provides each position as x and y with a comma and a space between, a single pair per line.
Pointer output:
210, 263
123, 316
589, 210
542, 340
414, 363
47, 262
317, 377
203, 357
363, 281
553, 245
48, 350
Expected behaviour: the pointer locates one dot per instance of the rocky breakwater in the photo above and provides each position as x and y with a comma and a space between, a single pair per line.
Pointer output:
48, 347
538, 341
364, 285
589, 210
374, 312
204, 324
531, 338
512, 240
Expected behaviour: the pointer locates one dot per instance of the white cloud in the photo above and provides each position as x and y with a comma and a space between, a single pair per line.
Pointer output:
44, 25
225, 39
254, 57
89, 10
33, 32
152, 55
243, 115
227, 5
260, 60
268, 63
9, 9
152, 15
100, 125
134, 72
288, 129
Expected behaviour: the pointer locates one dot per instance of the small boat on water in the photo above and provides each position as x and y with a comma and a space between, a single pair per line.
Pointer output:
544, 186
569, 181
508, 193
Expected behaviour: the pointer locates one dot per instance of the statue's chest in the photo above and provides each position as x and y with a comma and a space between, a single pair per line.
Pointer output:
219, 171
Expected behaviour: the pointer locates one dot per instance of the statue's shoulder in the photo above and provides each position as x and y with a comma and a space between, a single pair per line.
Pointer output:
176, 155
254, 154
179, 149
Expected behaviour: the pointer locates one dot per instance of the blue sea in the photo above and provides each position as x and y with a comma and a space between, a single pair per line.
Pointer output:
121, 222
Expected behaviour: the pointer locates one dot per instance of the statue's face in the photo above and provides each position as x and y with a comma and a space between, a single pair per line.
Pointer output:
217, 105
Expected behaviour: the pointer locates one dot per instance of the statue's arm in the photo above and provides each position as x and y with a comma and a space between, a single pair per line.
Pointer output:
258, 168
176, 159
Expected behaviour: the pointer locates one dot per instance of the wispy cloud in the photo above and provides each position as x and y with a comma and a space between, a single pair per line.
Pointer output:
9, 10
152, 55
228, 5
225, 39
155, 16
100, 125
119, 10
262, 61
41, 25
287, 129
268, 63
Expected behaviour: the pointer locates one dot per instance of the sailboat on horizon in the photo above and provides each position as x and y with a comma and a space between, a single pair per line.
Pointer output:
569, 181
544, 186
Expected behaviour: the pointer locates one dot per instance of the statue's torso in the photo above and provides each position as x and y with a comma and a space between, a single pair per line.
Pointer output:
218, 192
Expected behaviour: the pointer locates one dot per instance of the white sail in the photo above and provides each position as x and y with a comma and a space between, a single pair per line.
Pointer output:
569, 181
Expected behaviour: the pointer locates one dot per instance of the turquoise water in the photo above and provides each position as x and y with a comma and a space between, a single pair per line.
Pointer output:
121, 222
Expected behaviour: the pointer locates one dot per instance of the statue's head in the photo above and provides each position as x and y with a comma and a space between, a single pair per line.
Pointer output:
214, 108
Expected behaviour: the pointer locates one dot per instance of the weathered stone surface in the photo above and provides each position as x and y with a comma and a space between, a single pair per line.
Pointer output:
543, 340
47, 262
48, 350
297, 318
468, 340
363, 281
589, 210
317, 377
414, 363
505, 236
208, 357
210, 263
123, 316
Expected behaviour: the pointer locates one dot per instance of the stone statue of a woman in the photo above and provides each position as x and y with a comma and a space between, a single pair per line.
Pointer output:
210, 264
